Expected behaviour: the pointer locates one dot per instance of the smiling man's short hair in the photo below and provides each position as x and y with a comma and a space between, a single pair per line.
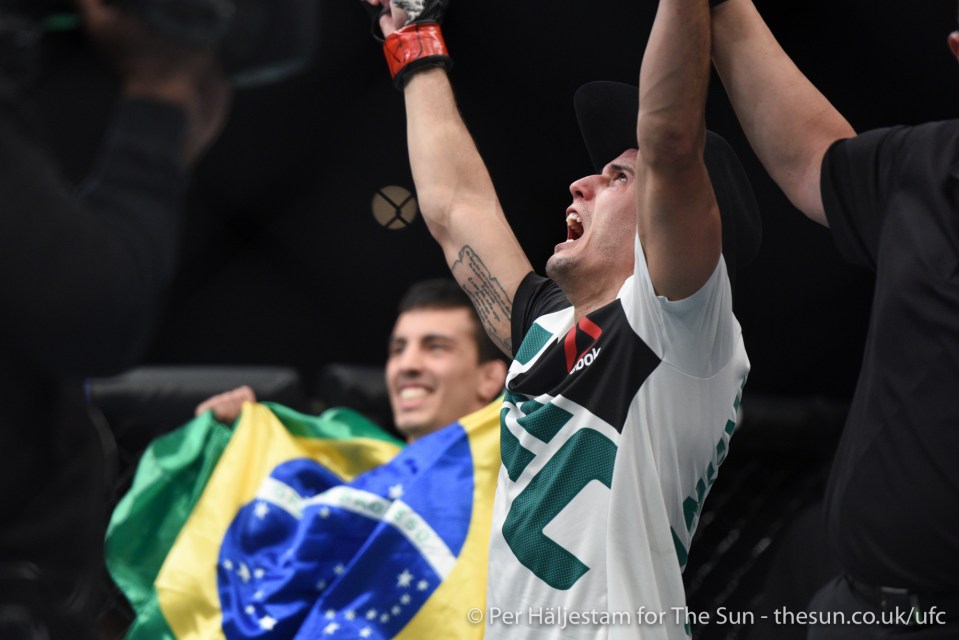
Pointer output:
444, 293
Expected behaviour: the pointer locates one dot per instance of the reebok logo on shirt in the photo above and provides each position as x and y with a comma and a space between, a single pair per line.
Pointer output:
586, 360
604, 389
576, 359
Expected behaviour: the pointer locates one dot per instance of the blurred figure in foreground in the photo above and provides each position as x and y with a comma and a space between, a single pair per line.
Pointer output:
82, 278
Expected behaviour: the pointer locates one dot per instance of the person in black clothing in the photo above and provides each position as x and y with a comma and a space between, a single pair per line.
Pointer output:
81, 279
891, 199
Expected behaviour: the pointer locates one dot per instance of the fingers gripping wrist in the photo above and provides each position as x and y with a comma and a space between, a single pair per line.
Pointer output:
413, 8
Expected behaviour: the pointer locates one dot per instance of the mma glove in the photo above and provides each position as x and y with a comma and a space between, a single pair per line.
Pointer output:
419, 43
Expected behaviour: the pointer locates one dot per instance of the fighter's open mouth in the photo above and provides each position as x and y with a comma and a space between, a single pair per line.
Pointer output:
574, 226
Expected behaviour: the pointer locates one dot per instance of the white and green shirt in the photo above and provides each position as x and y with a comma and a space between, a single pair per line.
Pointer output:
612, 432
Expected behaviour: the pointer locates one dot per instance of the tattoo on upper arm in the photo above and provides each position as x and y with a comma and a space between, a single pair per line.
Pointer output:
492, 304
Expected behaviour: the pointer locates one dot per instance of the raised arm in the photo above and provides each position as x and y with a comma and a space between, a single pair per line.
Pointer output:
90, 271
789, 123
678, 219
457, 198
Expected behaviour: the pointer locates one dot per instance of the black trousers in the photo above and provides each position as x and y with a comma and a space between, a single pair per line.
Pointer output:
847, 615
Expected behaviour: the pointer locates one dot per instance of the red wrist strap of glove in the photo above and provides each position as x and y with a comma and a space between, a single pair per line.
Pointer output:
415, 45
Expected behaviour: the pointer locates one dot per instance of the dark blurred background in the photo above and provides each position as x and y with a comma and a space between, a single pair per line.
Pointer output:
284, 263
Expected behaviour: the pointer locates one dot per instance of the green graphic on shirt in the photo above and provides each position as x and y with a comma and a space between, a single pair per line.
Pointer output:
693, 505
535, 338
515, 456
586, 456
543, 421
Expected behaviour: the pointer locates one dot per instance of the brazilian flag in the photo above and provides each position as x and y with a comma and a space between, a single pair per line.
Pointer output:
293, 526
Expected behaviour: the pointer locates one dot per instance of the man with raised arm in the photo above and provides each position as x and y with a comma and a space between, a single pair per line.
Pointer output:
891, 200
628, 361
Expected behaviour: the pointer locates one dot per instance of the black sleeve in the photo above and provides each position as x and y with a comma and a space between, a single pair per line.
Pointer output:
535, 296
857, 176
82, 275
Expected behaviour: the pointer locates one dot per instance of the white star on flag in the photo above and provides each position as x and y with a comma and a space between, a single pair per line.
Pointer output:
243, 572
396, 492
404, 579
324, 512
330, 614
261, 510
258, 595
250, 610
267, 623
321, 585
395, 610
422, 585
365, 632
371, 614
339, 569
258, 573
228, 565
405, 598
385, 618
350, 615
331, 628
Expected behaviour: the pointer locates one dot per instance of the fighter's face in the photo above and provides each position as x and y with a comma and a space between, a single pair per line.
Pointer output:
601, 227
433, 371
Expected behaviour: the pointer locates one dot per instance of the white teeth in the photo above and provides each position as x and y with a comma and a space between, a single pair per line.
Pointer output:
410, 393
573, 217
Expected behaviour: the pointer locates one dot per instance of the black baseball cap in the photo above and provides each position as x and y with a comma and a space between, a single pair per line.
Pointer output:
607, 113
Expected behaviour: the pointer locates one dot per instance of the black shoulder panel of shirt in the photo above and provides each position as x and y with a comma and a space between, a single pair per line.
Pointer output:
600, 364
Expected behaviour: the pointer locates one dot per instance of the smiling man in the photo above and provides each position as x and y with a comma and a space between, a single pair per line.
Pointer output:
441, 364
344, 530
628, 361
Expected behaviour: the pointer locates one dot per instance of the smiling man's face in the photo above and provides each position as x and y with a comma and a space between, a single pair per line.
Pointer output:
433, 371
